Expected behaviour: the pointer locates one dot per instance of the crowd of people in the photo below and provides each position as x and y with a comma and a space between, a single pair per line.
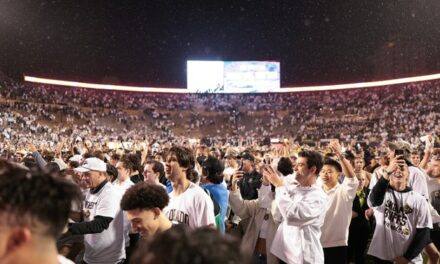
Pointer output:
372, 114
332, 204
111, 177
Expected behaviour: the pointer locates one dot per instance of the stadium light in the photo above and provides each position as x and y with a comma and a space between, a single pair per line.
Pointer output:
184, 90
361, 85
103, 86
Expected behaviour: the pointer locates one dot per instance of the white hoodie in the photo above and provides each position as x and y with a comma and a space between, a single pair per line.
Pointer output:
297, 240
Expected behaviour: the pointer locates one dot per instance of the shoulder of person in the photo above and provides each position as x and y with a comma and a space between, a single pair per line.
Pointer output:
418, 197
413, 170
110, 190
198, 190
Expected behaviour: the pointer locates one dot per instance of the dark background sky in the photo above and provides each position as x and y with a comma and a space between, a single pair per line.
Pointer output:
148, 42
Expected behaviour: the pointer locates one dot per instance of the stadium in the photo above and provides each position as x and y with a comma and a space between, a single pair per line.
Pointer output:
236, 133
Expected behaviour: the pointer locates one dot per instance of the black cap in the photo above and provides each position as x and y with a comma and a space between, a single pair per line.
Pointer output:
246, 155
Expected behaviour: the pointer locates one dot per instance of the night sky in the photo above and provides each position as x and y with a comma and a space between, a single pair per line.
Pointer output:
148, 42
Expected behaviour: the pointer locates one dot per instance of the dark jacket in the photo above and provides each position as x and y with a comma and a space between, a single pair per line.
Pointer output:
249, 184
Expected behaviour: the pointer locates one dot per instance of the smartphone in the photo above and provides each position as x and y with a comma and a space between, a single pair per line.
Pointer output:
240, 168
398, 152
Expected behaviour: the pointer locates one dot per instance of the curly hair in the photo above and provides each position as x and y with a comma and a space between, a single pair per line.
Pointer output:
182, 245
35, 199
145, 196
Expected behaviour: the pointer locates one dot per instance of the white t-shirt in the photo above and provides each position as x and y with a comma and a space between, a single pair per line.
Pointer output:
297, 238
193, 208
109, 245
339, 211
396, 222
433, 184
64, 260
122, 187
417, 181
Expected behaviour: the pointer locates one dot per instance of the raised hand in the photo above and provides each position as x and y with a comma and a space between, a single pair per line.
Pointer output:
335, 146
270, 174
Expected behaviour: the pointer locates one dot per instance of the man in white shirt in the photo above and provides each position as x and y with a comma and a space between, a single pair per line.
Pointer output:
122, 183
189, 204
334, 236
103, 219
303, 209
403, 220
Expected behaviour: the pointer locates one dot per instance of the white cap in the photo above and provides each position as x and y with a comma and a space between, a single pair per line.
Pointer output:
92, 164
76, 157
61, 164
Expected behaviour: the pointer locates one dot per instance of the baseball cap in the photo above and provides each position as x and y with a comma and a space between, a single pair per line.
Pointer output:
76, 158
60, 164
92, 164
230, 153
246, 155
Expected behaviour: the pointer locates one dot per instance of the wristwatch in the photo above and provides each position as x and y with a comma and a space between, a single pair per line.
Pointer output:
388, 173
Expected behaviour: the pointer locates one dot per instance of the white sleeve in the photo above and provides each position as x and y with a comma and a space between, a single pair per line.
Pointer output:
418, 182
265, 196
424, 218
204, 214
242, 208
434, 214
350, 185
299, 213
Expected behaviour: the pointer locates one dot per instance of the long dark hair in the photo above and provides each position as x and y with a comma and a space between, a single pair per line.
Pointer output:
185, 158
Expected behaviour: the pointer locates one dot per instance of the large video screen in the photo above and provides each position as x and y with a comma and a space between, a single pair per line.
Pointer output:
233, 76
